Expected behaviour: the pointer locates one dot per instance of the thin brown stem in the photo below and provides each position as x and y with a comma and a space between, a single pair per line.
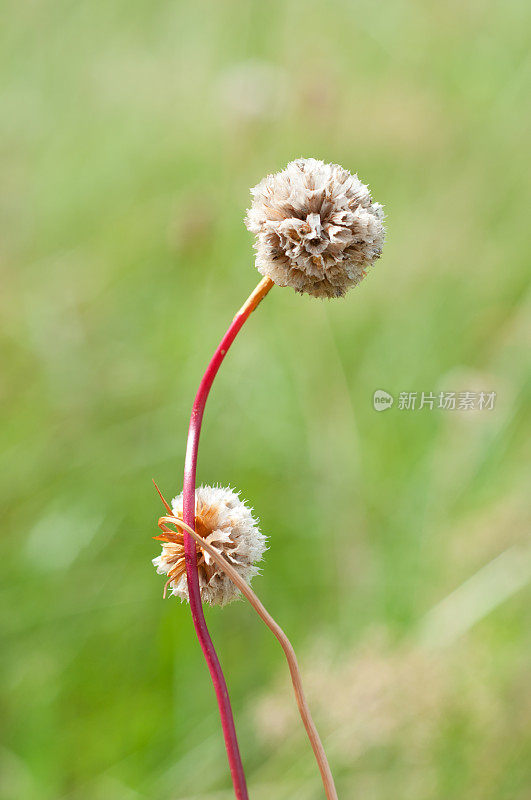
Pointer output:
245, 589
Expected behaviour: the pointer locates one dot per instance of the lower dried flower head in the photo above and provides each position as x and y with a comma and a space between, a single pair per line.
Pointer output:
317, 228
229, 526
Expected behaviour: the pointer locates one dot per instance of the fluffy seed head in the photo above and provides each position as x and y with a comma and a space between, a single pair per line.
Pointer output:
316, 228
227, 524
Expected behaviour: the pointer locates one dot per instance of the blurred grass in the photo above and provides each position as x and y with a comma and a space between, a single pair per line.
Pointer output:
130, 135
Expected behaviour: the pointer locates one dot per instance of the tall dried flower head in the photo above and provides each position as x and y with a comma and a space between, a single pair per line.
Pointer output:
226, 523
316, 228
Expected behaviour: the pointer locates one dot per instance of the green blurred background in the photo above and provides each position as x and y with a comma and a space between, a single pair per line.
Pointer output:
399, 558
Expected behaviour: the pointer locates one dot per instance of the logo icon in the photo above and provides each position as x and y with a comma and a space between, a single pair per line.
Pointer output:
381, 400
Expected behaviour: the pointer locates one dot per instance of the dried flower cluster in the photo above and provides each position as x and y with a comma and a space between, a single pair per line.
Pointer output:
317, 229
226, 523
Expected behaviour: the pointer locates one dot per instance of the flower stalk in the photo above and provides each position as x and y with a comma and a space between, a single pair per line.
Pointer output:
189, 485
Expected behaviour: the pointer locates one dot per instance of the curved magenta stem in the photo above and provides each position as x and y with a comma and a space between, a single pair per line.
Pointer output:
190, 466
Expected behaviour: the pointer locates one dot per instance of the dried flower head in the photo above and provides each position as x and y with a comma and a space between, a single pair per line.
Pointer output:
316, 228
226, 523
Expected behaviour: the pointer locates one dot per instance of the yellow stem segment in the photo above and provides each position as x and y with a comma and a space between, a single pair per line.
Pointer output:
256, 296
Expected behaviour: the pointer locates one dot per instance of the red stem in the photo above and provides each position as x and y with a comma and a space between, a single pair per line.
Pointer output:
190, 466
